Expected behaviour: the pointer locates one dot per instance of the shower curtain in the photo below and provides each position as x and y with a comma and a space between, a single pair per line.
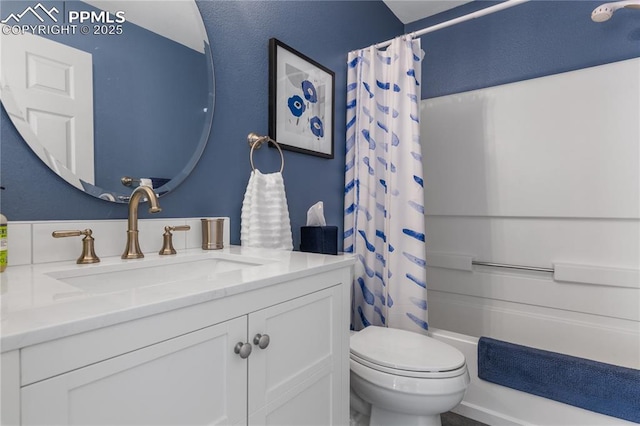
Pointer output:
384, 200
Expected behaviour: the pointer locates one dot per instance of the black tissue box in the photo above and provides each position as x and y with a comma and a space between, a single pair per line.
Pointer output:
319, 239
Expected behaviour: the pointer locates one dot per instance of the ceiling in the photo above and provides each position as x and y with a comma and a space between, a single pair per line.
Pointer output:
413, 10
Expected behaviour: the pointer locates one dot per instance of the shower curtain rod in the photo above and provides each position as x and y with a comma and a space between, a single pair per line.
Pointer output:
486, 11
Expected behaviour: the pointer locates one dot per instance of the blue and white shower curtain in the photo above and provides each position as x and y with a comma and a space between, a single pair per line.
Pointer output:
384, 200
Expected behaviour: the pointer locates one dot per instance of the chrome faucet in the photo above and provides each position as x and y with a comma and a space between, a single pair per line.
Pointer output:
132, 250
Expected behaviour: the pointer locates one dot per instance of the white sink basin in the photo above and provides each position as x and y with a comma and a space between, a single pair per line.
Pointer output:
145, 273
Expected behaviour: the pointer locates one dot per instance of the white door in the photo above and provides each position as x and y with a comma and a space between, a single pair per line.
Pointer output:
296, 379
191, 379
47, 89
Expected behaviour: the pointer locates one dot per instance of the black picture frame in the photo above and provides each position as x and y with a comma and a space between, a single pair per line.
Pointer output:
301, 102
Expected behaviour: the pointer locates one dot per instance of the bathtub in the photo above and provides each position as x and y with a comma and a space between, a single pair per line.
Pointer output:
498, 405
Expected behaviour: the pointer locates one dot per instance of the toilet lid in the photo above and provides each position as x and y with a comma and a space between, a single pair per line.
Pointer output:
405, 350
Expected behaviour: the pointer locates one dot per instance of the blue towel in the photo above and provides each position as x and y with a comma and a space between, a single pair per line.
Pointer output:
604, 388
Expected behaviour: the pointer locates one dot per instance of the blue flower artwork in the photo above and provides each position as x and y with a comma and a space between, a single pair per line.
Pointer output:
305, 99
306, 88
316, 127
309, 91
296, 105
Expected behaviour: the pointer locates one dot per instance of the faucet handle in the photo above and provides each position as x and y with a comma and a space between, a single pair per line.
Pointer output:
167, 243
88, 253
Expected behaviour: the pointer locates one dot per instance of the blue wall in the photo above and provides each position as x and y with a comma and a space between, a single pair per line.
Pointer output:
530, 40
526, 41
239, 32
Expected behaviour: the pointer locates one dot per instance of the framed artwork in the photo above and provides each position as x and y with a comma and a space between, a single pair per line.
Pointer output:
301, 101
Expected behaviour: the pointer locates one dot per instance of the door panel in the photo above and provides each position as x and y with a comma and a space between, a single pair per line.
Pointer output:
55, 84
192, 379
295, 374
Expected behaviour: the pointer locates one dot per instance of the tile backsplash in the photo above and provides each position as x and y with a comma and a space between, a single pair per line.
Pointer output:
31, 242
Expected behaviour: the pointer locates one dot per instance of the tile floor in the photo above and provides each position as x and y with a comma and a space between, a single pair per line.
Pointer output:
452, 419
448, 419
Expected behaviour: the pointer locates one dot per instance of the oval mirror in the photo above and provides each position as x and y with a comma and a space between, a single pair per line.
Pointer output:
103, 90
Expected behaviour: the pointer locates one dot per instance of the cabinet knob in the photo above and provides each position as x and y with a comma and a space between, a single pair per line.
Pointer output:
262, 340
243, 349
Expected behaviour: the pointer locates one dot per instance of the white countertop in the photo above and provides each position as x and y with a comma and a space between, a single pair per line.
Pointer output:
40, 302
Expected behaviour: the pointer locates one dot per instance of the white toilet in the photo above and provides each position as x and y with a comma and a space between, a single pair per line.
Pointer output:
401, 378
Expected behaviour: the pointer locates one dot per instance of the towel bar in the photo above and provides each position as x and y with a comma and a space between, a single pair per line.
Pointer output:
503, 265
256, 141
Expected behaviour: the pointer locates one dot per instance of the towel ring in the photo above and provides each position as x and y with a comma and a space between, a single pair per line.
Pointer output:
256, 142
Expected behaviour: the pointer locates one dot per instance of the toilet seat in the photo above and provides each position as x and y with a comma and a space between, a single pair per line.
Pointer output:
411, 374
404, 353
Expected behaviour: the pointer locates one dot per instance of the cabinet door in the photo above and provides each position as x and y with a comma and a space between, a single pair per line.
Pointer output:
296, 379
195, 378
10, 388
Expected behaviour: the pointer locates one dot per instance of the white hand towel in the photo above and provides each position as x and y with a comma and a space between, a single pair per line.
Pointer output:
264, 221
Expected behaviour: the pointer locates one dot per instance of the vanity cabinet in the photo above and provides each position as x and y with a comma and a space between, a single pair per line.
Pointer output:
190, 379
197, 377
